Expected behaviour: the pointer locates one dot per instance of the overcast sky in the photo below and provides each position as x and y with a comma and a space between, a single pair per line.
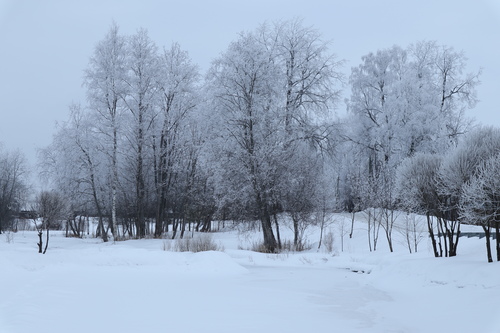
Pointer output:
45, 45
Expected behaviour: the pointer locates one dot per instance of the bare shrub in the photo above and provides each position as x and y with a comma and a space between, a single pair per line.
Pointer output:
286, 246
259, 247
9, 237
198, 244
167, 245
328, 242
302, 245
182, 245
205, 243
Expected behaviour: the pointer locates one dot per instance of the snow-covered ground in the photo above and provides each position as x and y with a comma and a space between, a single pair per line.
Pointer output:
84, 285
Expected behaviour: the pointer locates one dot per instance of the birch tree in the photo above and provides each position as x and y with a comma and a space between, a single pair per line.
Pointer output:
142, 64
105, 79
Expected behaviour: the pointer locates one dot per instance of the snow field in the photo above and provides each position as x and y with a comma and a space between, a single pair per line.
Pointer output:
84, 285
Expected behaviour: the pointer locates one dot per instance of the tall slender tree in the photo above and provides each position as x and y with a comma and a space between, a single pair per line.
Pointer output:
142, 65
178, 97
105, 79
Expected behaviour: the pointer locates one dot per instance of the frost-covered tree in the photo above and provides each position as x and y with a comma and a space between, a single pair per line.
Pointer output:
243, 89
75, 165
417, 192
434, 185
457, 88
460, 165
301, 195
269, 89
308, 78
105, 79
126, 152
406, 101
480, 200
13, 186
308, 75
142, 64
177, 98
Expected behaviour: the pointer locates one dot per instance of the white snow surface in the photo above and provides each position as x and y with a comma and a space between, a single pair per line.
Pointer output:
84, 285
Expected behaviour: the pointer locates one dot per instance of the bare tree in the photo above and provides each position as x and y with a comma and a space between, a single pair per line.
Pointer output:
412, 231
51, 208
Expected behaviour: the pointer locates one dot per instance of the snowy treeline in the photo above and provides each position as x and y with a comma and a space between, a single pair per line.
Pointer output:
157, 145
13, 186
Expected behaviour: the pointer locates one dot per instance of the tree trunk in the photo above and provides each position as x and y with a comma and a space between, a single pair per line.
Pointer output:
175, 226
40, 241
183, 228
46, 241
442, 235
454, 236
497, 240
100, 227
430, 228
139, 177
322, 226
488, 243
369, 229
162, 179
407, 233
296, 237
114, 184
352, 224
207, 223
388, 216
415, 241
277, 231
270, 244
375, 229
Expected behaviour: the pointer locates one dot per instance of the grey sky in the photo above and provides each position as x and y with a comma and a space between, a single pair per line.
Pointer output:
45, 45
